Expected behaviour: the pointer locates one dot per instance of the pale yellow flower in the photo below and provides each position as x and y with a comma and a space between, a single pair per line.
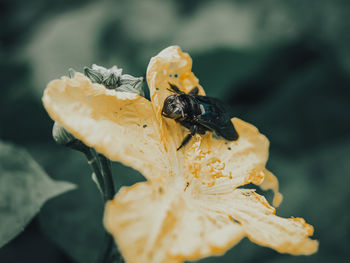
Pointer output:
190, 206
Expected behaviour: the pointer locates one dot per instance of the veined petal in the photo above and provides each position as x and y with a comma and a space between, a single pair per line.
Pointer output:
271, 183
120, 125
157, 224
222, 165
260, 223
170, 66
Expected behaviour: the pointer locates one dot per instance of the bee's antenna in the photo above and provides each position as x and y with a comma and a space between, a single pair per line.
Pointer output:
175, 88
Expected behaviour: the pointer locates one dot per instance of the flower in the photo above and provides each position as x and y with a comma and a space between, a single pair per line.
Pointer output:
191, 206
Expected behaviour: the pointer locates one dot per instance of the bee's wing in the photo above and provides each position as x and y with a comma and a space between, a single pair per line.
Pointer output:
216, 117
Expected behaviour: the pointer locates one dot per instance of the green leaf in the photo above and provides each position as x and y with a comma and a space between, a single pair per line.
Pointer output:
24, 188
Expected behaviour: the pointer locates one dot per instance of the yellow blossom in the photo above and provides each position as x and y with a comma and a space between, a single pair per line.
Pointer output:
191, 206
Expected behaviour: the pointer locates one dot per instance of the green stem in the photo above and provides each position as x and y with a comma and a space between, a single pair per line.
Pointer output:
102, 175
108, 248
100, 166
107, 177
95, 166
109, 192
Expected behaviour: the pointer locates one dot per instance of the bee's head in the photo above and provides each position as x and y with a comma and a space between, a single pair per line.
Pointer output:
172, 107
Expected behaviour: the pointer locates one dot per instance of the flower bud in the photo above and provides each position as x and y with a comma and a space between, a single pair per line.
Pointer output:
113, 78
63, 137
129, 83
71, 72
111, 82
94, 75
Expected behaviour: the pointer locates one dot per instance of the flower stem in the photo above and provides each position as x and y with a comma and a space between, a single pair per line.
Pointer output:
95, 166
107, 177
108, 248
101, 166
102, 175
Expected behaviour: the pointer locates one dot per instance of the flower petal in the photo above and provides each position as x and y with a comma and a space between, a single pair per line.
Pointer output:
271, 183
222, 165
260, 223
170, 66
120, 125
155, 224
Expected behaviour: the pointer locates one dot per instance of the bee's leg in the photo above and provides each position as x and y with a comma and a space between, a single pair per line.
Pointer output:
182, 113
194, 91
185, 141
188, 137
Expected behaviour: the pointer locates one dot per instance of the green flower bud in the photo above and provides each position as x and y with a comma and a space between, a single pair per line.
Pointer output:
111, 82
106, 72
129, 83
114, 79
94, 75
63, 137
71, 72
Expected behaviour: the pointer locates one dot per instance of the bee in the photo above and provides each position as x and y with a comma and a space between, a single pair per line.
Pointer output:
198, 114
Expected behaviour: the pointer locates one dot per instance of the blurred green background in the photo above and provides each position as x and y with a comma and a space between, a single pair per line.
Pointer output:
282, 65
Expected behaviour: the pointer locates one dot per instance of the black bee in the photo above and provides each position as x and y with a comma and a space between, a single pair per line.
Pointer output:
198, 114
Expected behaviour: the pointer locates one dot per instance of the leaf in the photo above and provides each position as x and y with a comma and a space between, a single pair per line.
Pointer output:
24, 188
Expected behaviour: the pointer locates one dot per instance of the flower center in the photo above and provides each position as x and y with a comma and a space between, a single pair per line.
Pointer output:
203, 165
